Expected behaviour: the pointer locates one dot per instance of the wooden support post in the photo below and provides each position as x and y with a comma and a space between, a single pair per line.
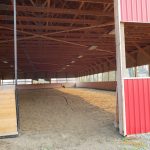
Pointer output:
121, 66
149, 70
15, 61
15, 42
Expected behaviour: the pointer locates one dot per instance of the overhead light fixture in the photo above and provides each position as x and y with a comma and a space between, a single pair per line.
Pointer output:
92, 47
11, 66
67, 65
73, 62
5, 62
80, 56
63, 68
112, 32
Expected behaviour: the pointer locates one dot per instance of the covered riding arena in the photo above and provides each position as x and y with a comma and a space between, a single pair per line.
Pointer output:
74, 74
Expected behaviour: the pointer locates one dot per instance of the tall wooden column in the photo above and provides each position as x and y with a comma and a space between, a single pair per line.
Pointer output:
15, 61
15, 41
121, 66
149, 70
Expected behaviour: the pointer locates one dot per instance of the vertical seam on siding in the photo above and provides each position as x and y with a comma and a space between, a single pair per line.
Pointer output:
139, 105
129, 123
146, 10
148, 100
134, 106
144, 104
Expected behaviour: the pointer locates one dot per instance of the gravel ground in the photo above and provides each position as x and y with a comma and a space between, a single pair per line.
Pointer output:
70, 119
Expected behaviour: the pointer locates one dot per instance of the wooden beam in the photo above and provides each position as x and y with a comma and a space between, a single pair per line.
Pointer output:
59, 40
57, 32
55, 10
142, 50
45, 19
121, 67
32, 3
92, 1
131, 57
80, 7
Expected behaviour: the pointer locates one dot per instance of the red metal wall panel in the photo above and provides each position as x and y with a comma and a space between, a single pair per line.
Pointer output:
137, 105
135, 11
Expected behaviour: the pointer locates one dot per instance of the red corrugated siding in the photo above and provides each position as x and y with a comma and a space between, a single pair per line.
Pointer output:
135, 11
137, 105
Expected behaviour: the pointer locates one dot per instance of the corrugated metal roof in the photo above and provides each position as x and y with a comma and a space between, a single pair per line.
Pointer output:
137, 105
135, 11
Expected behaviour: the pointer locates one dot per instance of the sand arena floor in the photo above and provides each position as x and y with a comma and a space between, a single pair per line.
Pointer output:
69, 119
